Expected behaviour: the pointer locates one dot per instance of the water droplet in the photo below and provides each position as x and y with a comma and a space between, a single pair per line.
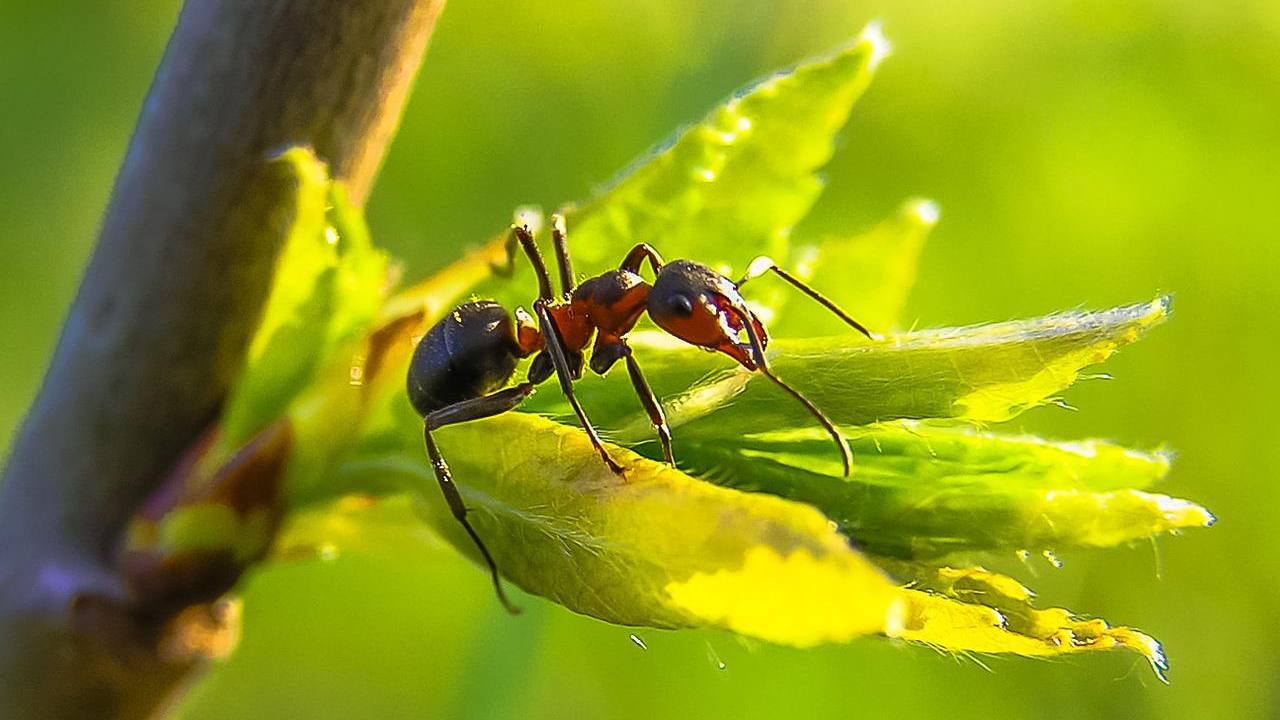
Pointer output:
331, 236
639, 643
1052, 559
744, 124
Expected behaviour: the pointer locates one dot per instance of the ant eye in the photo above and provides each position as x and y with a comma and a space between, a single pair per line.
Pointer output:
681, 305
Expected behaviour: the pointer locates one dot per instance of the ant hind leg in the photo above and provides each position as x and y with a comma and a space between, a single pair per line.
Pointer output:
473, 409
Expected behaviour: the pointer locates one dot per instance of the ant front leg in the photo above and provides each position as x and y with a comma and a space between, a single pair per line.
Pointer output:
554, 347
473, 409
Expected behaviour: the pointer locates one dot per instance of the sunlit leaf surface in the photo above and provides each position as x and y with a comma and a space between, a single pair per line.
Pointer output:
927, 491
655, 547
328, 287
983, 373
736, 182
975, 610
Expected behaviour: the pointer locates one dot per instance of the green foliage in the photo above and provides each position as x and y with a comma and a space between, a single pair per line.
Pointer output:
632, 549
735, 183
984, 373
328, 288
677, 548
926, 491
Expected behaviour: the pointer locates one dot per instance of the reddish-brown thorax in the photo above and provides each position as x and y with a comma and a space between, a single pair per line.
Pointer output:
610, 303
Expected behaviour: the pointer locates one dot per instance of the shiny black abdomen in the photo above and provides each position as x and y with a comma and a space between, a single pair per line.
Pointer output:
470, 353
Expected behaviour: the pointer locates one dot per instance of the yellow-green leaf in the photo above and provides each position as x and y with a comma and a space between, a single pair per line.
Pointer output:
730, 186
869, 274
975, 610
328, 287
918, 490
655, 547
983, 373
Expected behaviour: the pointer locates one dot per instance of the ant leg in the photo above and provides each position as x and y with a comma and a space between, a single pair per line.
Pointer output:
763, 264
651, 405
561, 241
528, 217
553, 344
522, 236
481, 407
474, 409
638, 255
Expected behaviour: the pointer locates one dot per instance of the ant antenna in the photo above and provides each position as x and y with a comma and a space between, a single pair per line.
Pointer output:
763, 264
757, 349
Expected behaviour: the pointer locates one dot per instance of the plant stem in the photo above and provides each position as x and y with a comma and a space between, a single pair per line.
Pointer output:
169, 301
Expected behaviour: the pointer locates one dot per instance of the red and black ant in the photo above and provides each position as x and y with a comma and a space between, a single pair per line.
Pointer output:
461, 366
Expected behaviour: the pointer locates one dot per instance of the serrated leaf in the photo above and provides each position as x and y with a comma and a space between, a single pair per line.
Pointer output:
655, 547
733, 185
926, 491
983, 373
660, 547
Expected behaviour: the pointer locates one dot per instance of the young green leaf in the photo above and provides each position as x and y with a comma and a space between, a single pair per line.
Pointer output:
869, 275
983, 373
975, 610
328, 288
655, 547
660, 547
926, 491
733, 185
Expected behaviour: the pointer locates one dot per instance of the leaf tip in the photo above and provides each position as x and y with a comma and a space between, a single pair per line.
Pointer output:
877, 45
922, 212
302, 161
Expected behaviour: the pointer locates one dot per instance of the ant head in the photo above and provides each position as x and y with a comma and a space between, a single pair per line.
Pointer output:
704, 308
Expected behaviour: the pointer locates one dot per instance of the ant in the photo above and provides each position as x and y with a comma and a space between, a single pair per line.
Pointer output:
461, 367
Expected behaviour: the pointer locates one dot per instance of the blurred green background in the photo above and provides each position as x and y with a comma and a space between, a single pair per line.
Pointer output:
1084, 153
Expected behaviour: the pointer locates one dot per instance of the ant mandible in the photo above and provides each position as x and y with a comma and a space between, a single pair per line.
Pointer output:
461, 366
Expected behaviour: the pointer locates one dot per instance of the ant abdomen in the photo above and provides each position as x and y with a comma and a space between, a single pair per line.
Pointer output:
470, 353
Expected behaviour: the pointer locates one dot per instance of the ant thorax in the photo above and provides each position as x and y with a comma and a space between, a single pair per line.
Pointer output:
610, 303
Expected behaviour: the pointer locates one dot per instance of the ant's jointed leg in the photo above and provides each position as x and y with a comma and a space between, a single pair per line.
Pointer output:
474, 409
561, 242
553, 345
651, 405
638, 255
